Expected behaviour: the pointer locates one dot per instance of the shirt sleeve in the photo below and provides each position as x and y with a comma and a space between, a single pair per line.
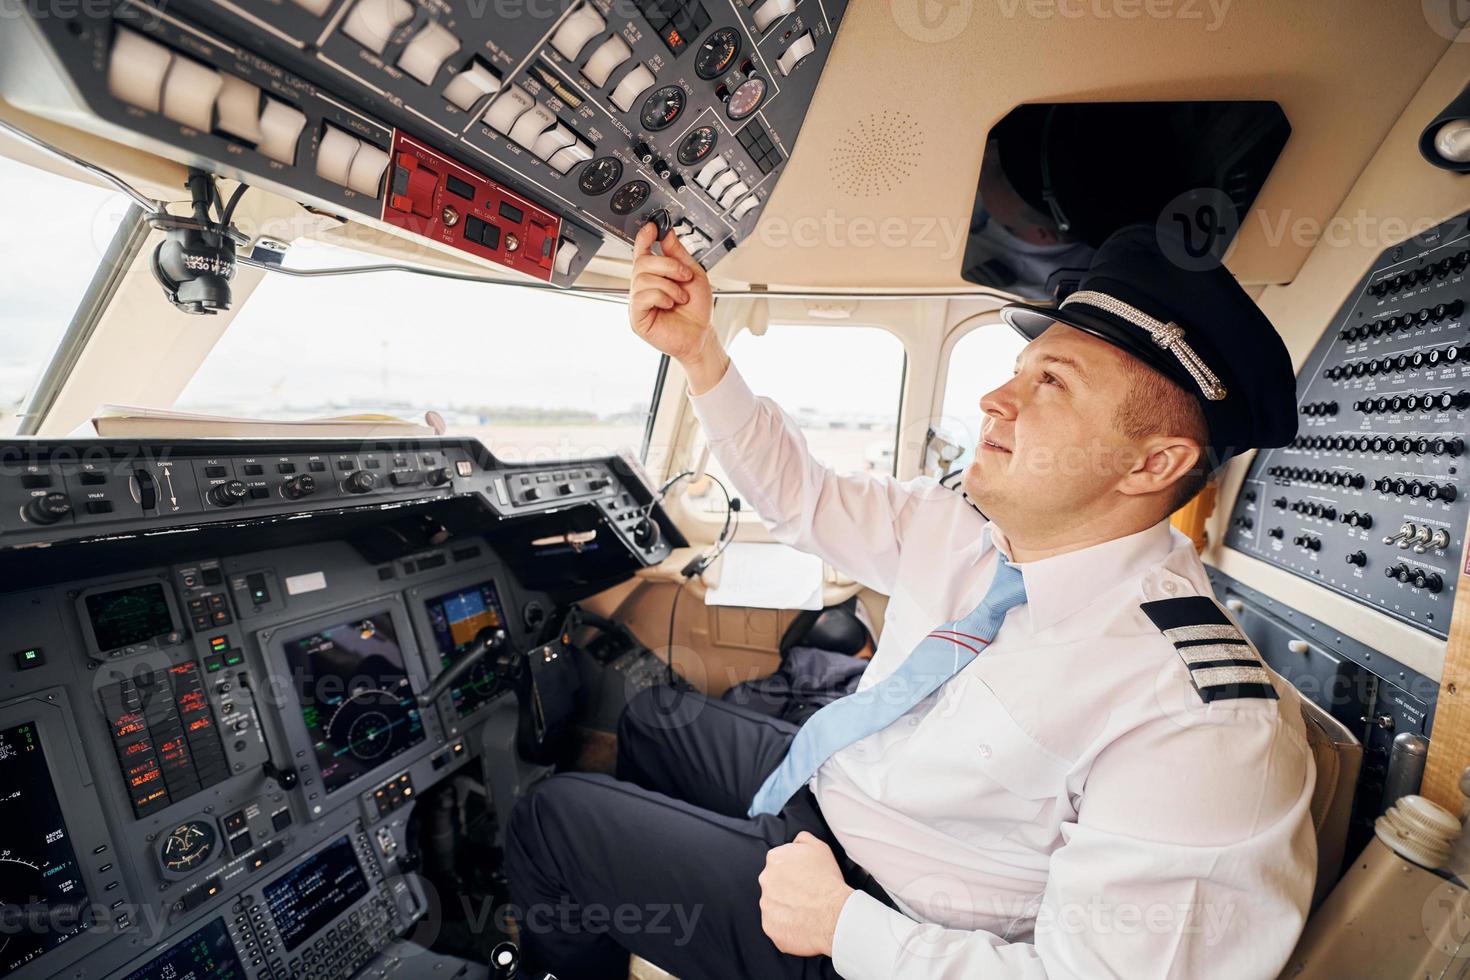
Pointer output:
854, 522
1182, 863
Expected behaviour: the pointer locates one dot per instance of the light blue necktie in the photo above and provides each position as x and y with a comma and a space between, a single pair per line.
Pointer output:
937, 658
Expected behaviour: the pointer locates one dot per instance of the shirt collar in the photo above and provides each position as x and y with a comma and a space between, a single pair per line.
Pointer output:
1057, 587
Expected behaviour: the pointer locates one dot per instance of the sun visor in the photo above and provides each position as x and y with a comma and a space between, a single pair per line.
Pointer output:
1059, 178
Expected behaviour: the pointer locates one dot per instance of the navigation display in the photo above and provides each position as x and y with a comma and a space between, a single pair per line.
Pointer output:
207, 954
315, 892
457, 618
126, 616
355, 697
43, 900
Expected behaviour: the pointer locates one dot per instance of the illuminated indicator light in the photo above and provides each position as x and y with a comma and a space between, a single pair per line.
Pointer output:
219, 643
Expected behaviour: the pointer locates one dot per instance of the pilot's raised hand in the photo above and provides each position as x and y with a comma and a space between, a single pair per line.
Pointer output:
669, 306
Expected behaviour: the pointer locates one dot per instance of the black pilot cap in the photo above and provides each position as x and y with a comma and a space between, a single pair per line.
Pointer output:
1190, 320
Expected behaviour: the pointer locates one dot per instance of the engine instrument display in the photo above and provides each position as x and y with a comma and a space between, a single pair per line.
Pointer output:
600, 175
662, 108
315, 892
629, 197
457, 618
355, 697
746, 98
697, 145
43, 900
124, 617
717, 53
208, 953
188, 847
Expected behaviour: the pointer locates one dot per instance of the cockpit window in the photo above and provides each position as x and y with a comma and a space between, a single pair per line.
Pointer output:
68, 225
979, 362
534, 374
843, 385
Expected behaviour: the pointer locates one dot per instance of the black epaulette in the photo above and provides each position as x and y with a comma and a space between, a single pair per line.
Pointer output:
1222, 664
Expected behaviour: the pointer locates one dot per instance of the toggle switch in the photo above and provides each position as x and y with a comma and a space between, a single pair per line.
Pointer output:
565, 159
708, 172
723, 180
280, 131
372, 22
473, 82
334, 155
633, 85
800, 48
189, 92
581, 26
136, 69
239, 109
566, 251
423, 56
368, 167
606, 59
731, 193
554, 139
529, 127
744, 207
771, 11
509, 106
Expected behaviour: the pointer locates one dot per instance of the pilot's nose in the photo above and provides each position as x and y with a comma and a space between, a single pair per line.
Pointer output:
1000, 403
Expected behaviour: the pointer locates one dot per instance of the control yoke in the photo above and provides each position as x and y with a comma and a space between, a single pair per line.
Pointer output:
490, 640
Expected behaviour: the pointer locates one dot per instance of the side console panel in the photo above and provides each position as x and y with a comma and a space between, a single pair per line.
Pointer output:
1370, 500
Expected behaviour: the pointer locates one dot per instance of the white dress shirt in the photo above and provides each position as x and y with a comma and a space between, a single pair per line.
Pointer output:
1067, 805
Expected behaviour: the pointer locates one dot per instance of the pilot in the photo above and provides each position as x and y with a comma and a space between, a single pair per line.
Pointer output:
1064, 759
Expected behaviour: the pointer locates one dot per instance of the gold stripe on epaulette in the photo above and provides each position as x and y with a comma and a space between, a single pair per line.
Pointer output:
1211, 631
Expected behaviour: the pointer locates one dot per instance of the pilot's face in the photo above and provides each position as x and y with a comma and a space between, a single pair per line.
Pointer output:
1050, 453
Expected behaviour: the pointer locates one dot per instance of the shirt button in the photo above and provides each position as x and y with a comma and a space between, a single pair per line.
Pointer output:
913, 723
984, 751
1170, 588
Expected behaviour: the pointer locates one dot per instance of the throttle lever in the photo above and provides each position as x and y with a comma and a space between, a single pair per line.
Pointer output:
489, 640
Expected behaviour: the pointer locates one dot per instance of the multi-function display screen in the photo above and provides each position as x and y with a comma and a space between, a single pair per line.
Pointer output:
207, 954
126, 616
315, 892
457, 618
355, 697
43, 900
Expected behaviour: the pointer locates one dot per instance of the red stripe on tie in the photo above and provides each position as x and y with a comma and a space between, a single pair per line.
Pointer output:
935, 636
967, 636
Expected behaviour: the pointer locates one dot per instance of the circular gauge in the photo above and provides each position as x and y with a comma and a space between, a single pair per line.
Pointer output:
369, 734
630, 197
717, 53
188, 846
746, 98
697, 145
599, 176
662, 108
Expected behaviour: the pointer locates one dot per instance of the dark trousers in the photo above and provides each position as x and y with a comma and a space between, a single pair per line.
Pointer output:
662, 861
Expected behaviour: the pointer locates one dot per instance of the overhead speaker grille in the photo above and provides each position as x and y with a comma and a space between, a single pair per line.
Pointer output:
877, 154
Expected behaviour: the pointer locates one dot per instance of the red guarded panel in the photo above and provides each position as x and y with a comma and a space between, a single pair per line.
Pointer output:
432, 196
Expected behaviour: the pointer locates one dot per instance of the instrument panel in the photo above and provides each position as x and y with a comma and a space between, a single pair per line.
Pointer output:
210, 747
524, 136
1369, 500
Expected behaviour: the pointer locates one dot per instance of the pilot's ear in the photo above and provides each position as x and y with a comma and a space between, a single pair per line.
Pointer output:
1162, 462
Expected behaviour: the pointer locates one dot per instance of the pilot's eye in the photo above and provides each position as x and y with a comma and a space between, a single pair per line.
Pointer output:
1051, 379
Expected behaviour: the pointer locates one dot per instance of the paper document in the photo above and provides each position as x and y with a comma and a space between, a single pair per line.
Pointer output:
767, 576
157, 423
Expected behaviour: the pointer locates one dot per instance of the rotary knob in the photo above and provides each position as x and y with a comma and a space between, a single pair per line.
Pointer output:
439, 477
1357, 558
228, 494
47, 509
360, 481
297, 487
